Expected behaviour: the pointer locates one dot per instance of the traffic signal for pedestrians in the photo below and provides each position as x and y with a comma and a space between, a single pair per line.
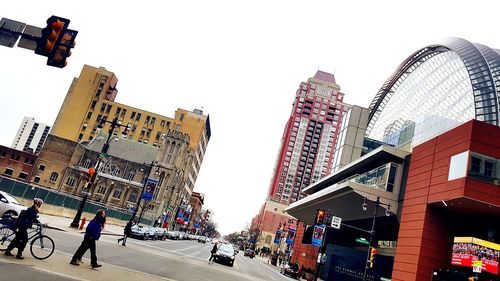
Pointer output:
320, 217
56, 41
373, 252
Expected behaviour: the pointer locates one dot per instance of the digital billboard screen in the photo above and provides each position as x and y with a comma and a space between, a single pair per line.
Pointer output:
476, 253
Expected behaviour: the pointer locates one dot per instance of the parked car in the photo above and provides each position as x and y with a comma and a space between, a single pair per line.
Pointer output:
292, 269
225, 254
249, 253
235, 248
161, 233
151, 233
202, 239
172, 234
9, 206
140, 232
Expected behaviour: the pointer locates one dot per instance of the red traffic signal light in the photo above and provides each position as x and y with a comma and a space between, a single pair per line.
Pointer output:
89, 177
320, 217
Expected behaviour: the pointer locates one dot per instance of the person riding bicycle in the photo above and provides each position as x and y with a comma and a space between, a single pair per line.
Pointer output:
24, 221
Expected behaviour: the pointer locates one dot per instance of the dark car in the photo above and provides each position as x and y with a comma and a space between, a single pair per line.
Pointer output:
225, 254
249, 253
292, 270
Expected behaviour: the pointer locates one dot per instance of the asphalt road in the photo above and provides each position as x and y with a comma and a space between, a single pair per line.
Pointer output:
10, 271
177, 260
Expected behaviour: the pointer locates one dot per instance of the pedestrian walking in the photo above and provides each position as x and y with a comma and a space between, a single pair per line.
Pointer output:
126, 232
92, 234
280, 260
20, 226
212, 253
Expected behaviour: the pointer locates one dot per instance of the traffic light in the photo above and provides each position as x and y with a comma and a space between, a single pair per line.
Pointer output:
56, 41
373, 252
89, 177
320, 217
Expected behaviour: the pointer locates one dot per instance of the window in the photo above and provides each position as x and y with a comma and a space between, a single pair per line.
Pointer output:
23, 175
101, 189
133, 196
8, 172
70, 181
41, 168
117, 193
53, 176
89, 114
86, 163
80, 136
130, 175
483, 167
37, 179
138, 117
93, 104
132, 115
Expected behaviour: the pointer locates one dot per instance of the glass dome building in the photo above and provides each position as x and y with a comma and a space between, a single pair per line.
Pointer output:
441, 86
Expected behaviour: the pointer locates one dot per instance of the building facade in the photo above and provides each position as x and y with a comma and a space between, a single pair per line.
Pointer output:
16, 164
30, 136
91, 99
196, 217
308, 142
425, 174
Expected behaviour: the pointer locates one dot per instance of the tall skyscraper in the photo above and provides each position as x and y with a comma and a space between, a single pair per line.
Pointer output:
30, 136
308, 142
306, 154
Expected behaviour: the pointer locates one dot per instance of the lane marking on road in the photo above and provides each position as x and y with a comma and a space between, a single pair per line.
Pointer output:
167, 250
181, 250
267, 267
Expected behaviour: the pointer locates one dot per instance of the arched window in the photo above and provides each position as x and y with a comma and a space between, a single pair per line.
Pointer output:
133, 196
162, 177
102, 189
117, 193
54, 176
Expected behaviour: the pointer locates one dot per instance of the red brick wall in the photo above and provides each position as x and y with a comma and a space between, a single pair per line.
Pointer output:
304, 254
425, 241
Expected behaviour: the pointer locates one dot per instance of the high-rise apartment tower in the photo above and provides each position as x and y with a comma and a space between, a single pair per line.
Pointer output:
30, 136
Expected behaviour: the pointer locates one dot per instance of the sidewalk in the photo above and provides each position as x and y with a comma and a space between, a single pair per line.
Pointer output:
62, 223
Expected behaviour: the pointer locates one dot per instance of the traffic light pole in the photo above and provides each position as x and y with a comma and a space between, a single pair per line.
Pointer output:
76, 220
142, 193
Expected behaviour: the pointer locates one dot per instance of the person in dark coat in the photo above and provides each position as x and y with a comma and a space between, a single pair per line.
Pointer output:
212, 253
92, 234
126, 232
21, 225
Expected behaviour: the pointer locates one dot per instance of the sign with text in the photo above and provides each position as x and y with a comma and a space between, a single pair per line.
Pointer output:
151, 185
277, 237
336, 222
476, 253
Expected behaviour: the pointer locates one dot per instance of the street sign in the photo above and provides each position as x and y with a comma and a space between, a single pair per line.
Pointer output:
362, 241
27, 42
336, 222
7, 29
103, 155
477, 266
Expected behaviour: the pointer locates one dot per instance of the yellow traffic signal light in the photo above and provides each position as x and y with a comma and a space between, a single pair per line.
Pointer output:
320, 217
373, 252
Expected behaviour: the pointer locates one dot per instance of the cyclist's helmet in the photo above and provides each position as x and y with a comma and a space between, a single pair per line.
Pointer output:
38, 201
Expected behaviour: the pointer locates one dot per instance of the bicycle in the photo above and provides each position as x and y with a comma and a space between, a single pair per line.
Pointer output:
41, 246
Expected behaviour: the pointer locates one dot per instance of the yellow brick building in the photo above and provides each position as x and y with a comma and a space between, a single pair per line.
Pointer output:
91, 97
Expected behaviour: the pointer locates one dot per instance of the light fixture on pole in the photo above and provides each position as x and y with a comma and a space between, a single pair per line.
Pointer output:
104, 151
369, 257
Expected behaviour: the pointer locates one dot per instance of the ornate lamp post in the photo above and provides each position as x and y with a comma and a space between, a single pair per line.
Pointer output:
104, 151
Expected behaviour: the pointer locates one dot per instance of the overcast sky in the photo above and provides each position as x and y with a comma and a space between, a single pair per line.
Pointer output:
240, 61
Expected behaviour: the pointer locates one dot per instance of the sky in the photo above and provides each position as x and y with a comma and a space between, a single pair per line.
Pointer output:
239, 61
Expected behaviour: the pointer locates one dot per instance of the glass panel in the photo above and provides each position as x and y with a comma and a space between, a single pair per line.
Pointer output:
458, 166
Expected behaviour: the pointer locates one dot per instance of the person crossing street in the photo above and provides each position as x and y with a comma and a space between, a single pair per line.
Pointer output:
92, 234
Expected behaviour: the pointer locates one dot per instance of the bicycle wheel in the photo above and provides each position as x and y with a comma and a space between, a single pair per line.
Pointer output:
6, 236
42, 247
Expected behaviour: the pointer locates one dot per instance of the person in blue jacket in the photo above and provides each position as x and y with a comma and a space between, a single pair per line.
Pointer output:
21, 224
92, 234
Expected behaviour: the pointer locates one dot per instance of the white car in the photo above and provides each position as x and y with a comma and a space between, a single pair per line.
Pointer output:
9, 205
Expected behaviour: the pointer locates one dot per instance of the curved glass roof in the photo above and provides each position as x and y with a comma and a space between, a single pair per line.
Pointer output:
435, 89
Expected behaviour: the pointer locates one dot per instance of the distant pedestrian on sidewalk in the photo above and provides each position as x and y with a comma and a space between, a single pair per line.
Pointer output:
21, 225
212, 253
92, 234
126, 232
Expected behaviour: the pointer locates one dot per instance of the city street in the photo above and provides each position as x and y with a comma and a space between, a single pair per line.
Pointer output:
169, 260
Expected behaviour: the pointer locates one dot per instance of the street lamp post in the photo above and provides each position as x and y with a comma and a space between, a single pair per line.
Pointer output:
76, 220
372, 231
142, 192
